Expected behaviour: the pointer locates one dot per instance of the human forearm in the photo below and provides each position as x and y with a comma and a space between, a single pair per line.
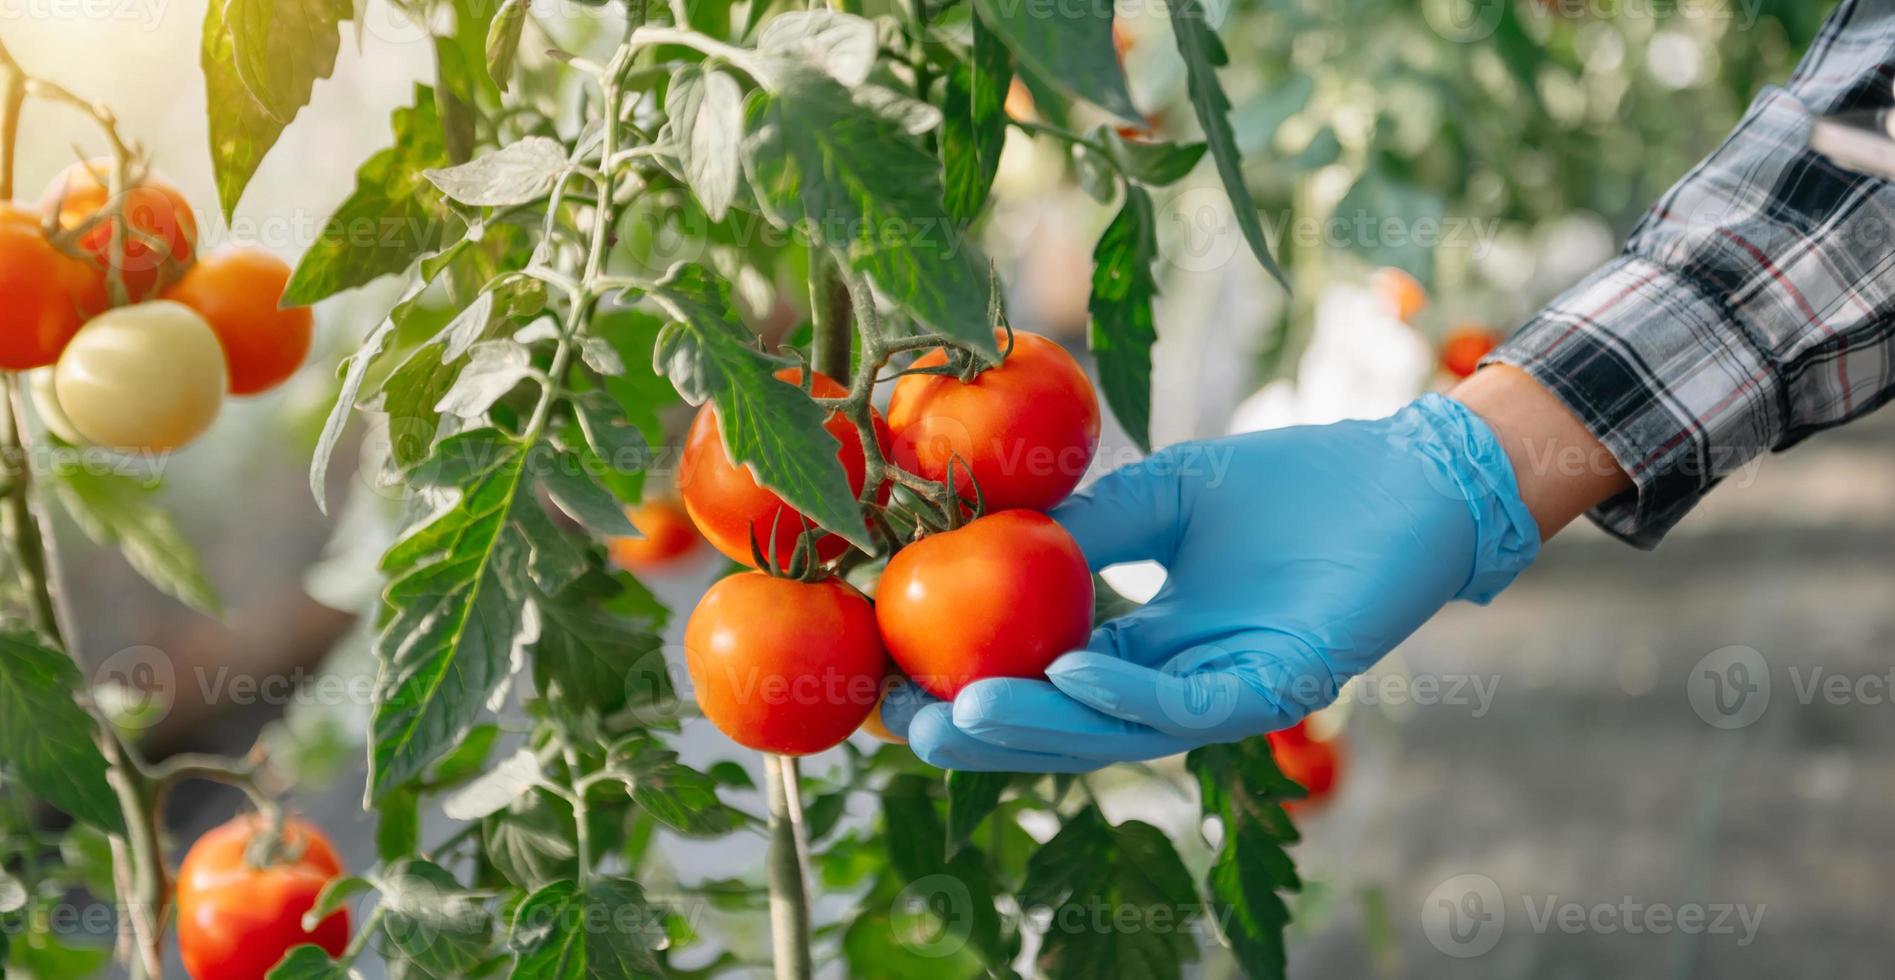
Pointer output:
1562, 468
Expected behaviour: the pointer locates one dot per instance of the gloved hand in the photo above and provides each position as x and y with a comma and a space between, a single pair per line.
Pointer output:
1296, 559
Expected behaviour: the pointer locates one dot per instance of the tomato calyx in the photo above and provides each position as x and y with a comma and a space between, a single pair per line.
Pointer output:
271, 847
803, 565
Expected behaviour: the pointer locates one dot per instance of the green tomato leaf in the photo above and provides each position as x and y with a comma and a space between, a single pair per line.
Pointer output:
596, 659
605, 932
1203, 54
840, 45
1123, 329
503, 41
971, 797
574, 491
333, 897
242, 130
393, 217
858, 183
309, 962
706, 113
398, 824
1243, 788
118, 509
281, 48
768, 425
433, 923
531, 841
47, 742
1069, 45
495, 368
679, 796
459, 625
355, 370
1156, 164
974, 129
495, 789
514, 174
1131, 868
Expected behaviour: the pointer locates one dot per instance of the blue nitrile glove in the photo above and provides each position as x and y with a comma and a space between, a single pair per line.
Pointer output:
1297, 558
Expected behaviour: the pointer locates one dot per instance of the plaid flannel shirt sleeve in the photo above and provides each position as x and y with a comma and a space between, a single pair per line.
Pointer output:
1753, 305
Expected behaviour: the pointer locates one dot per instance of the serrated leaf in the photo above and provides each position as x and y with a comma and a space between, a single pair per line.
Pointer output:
495, 368
468, 758
862, 186
433, 922
766, 424
333, 898
555, 557
458, 627
1241, 786
1070, 45
531, 841
604, 932
242, 131
576, 493
1130, 868
47, 742
840, 45
706, 113
595, 658
309, 962
496, 788
391, 219
355, 371
974, 129
519, 172
1203, 55
679, 796
503, 41
971, 797
282, 47
1152, 163
118, 510
599, 355
1123, 328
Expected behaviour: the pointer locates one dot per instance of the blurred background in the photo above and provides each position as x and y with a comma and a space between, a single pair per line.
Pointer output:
1430, 171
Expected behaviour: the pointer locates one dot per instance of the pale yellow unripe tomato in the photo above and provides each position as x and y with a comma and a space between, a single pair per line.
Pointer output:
46, 406
148, 377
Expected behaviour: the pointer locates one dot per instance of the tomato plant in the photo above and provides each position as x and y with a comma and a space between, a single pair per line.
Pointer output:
241, 905
953, 606
237, 292
1025, 430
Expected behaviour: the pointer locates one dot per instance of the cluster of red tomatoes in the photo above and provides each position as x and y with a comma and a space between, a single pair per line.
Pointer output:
150, 375
794, 666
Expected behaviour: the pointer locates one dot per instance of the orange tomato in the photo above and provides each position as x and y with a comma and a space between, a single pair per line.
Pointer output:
784, 666
1308, 761
1402, 293
45, 295
235, 920
1026, 430
1464, 346
726, 503
669, 537
153, 207
236, 291
1003, 596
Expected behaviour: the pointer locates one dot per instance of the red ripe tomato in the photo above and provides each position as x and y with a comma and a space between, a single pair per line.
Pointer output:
1310, 762
669, 538
235, 921
1027, 429
1003, 596
153, 207
45, 295
784, 666
725, 501
1464, 346
236, 291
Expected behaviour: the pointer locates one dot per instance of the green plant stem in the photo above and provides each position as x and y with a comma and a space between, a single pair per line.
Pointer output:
582, 832
828, 316
789, 896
